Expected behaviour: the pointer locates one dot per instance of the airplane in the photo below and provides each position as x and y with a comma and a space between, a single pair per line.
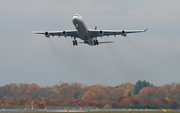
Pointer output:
89, 36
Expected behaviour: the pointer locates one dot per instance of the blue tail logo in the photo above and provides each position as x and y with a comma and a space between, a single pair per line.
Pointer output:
95, 27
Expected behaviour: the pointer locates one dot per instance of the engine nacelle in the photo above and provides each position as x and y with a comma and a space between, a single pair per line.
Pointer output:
101, 33
124, 33
47, 34
64, 33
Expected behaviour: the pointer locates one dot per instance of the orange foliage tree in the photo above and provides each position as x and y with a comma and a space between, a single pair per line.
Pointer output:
31, 91
126, 102
151, 92
120, 98
128, 87
76, 94
22, 101
173, 104
117, 92
80, 102
175, 90
145, 102
89, 95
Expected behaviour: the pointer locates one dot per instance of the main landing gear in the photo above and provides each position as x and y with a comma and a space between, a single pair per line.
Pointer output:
75, 42
96, 42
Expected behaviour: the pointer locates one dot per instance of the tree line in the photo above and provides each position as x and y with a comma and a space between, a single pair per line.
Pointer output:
135, 96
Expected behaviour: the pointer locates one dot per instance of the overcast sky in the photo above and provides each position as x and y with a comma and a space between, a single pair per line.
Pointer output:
153, 56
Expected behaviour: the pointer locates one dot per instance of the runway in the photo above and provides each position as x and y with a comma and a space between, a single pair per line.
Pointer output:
76, 110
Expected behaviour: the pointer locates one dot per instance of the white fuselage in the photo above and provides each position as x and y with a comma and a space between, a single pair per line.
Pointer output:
83, 32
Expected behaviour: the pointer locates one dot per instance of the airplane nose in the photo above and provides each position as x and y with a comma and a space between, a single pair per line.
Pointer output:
75, 17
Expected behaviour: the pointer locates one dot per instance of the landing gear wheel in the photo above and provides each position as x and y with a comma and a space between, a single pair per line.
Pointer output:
75, 42
96, 42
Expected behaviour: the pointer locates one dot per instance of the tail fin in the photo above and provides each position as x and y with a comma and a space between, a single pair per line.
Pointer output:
95, 28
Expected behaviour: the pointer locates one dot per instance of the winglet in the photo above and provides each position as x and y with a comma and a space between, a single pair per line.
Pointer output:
145, 30
32, 32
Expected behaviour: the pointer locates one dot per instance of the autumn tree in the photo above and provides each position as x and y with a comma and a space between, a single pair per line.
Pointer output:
1, 92
66, 91
134, 100
175, 90
102, 92
111, 101
167, 88
22, 87
69, 101
117, 92
63, 85
128, 87
42, 92
145, 102
55, 88
151, 93
53, 102
13, 87
88, 95
91, 103
61, 101
7, 90
156, 101
77, 87
164, 101
22, 101
76, 94
120, 98
139, 85
32, 90
173, 104
126, 102
49, 92
41, 104
115, 104
80, 102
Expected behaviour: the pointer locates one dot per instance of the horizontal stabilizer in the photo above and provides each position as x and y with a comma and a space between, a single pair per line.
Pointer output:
99, 42
106, 42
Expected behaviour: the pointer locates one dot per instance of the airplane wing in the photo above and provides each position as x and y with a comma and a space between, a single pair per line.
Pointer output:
71, 33
100, 33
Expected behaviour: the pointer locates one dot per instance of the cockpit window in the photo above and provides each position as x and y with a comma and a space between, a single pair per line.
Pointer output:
77, 15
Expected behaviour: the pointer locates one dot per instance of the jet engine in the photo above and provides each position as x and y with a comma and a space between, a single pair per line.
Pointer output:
124, 33
47, 34
64, 33
101, 33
